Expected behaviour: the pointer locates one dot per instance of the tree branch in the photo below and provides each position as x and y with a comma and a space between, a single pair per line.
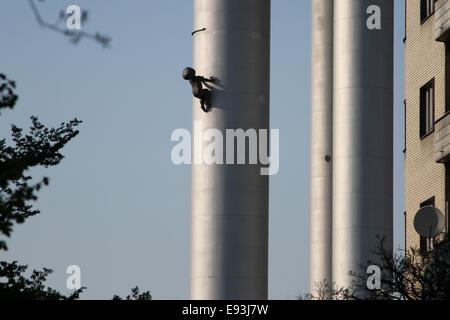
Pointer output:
74, 36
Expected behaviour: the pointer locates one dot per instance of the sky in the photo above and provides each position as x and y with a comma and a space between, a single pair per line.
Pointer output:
117, 206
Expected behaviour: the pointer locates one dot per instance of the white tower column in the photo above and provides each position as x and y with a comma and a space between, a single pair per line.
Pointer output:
321, 141
229, 214
362, 133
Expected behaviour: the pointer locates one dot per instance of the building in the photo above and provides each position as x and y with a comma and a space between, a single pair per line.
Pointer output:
427, 112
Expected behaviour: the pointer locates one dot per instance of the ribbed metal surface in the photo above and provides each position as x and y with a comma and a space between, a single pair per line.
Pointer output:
363, 135
321, 141
229, 218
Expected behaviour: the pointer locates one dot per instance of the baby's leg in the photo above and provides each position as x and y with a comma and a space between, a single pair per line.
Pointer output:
202, 105
206, 98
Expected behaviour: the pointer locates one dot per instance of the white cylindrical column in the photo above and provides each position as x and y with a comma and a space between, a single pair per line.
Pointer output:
362, 133
229, 214
321, 141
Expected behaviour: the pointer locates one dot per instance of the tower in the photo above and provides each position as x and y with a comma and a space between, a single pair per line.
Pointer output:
362, 134
321, 141
351, 136
230, 202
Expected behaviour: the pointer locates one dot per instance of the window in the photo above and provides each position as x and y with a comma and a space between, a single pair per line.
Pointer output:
426, 9
429, 202
447, 195
427, 244
404, 133
447, 77
427, 109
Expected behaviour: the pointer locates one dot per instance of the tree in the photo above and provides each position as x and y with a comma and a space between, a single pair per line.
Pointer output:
136, 295
74, 36
415, 275
40, 147
19, 287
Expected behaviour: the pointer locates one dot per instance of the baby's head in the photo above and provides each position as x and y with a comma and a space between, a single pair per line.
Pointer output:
188, 74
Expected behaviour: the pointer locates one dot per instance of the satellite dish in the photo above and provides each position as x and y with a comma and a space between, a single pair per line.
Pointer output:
429, 222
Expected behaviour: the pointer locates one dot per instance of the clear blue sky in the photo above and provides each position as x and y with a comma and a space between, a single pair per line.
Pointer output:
117, 206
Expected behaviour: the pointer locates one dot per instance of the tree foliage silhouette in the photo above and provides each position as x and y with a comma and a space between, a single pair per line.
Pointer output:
19, 287
136, 295
40, 147
415, 275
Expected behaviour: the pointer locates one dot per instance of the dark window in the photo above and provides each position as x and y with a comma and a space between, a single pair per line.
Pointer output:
427, 109
426, 9
404, 102
447, 77
427, 244
429, 202
447, 195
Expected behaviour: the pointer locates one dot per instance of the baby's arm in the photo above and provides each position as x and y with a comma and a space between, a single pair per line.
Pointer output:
203, 79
